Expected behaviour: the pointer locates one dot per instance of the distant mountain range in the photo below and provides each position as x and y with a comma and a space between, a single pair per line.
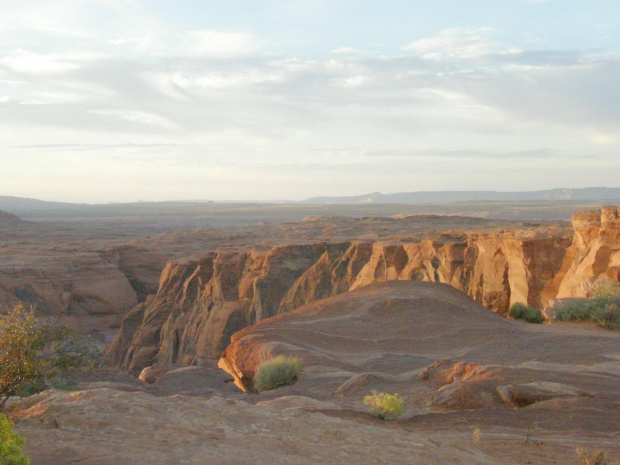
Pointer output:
595, 194
21, 206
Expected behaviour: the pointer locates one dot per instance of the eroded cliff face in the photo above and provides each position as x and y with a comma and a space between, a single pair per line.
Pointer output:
90, 290
201, 302
594, 253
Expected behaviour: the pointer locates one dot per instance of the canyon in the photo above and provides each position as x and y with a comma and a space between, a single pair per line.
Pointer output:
202, 301
178, 296
414, 304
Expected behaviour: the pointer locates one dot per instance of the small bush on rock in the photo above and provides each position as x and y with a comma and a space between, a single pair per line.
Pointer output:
11, 444
519, 311
385, 406
279, 371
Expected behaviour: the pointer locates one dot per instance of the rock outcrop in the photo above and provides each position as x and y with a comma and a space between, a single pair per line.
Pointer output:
594, 253
90, 290
201, 302
439, 349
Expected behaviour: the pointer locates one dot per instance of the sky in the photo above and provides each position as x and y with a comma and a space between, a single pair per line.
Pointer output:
124, 100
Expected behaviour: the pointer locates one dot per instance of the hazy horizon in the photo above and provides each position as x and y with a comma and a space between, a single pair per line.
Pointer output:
349, 197
128, 100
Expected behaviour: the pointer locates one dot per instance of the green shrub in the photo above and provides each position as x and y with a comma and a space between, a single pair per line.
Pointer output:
609, 290
279, 371
603, 308
11, 444
574, 310
607, 315
34, 351
519, 311
385, 406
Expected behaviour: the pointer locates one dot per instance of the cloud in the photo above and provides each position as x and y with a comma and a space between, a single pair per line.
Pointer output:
208, 103
455, 43
346, 51
206, 43
23, 61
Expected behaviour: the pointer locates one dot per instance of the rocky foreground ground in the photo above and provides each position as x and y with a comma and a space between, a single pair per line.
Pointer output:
480, 389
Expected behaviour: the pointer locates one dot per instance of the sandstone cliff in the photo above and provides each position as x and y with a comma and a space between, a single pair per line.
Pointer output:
91, 290
594, 253
201, 302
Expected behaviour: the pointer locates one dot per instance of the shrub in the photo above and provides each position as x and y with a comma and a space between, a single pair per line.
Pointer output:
33, 351
603, 308
11, 444
279, 371
609, 290
519, 311
385, 406
588, 457
574, 310
607, 315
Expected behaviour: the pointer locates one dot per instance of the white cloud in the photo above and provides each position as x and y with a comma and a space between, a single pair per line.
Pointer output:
138, 90
456, 43
23, 61
207, 43
345, 51
139, 117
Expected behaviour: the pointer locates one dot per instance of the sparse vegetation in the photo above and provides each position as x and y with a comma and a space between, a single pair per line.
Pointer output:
279, 371
609, 290
385, 406
589, 457
603, 308
519, 311
476, 436
11, 444
35, 353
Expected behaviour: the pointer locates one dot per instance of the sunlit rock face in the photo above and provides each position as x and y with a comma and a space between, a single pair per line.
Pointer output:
594, 253
202, 302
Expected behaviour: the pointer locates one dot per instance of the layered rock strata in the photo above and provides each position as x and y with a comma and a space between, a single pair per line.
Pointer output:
594, 254
201, 302
90, 290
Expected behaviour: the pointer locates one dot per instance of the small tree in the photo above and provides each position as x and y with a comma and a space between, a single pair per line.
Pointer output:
33, 350
11, 444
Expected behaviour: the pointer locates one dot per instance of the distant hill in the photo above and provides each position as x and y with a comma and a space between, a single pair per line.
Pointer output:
30, 208
8, 219
20, 204
602, 194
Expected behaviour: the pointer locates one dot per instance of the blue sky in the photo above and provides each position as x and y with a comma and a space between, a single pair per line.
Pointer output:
121, 100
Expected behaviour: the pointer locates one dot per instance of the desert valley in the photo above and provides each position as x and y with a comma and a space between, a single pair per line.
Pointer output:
402, 302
